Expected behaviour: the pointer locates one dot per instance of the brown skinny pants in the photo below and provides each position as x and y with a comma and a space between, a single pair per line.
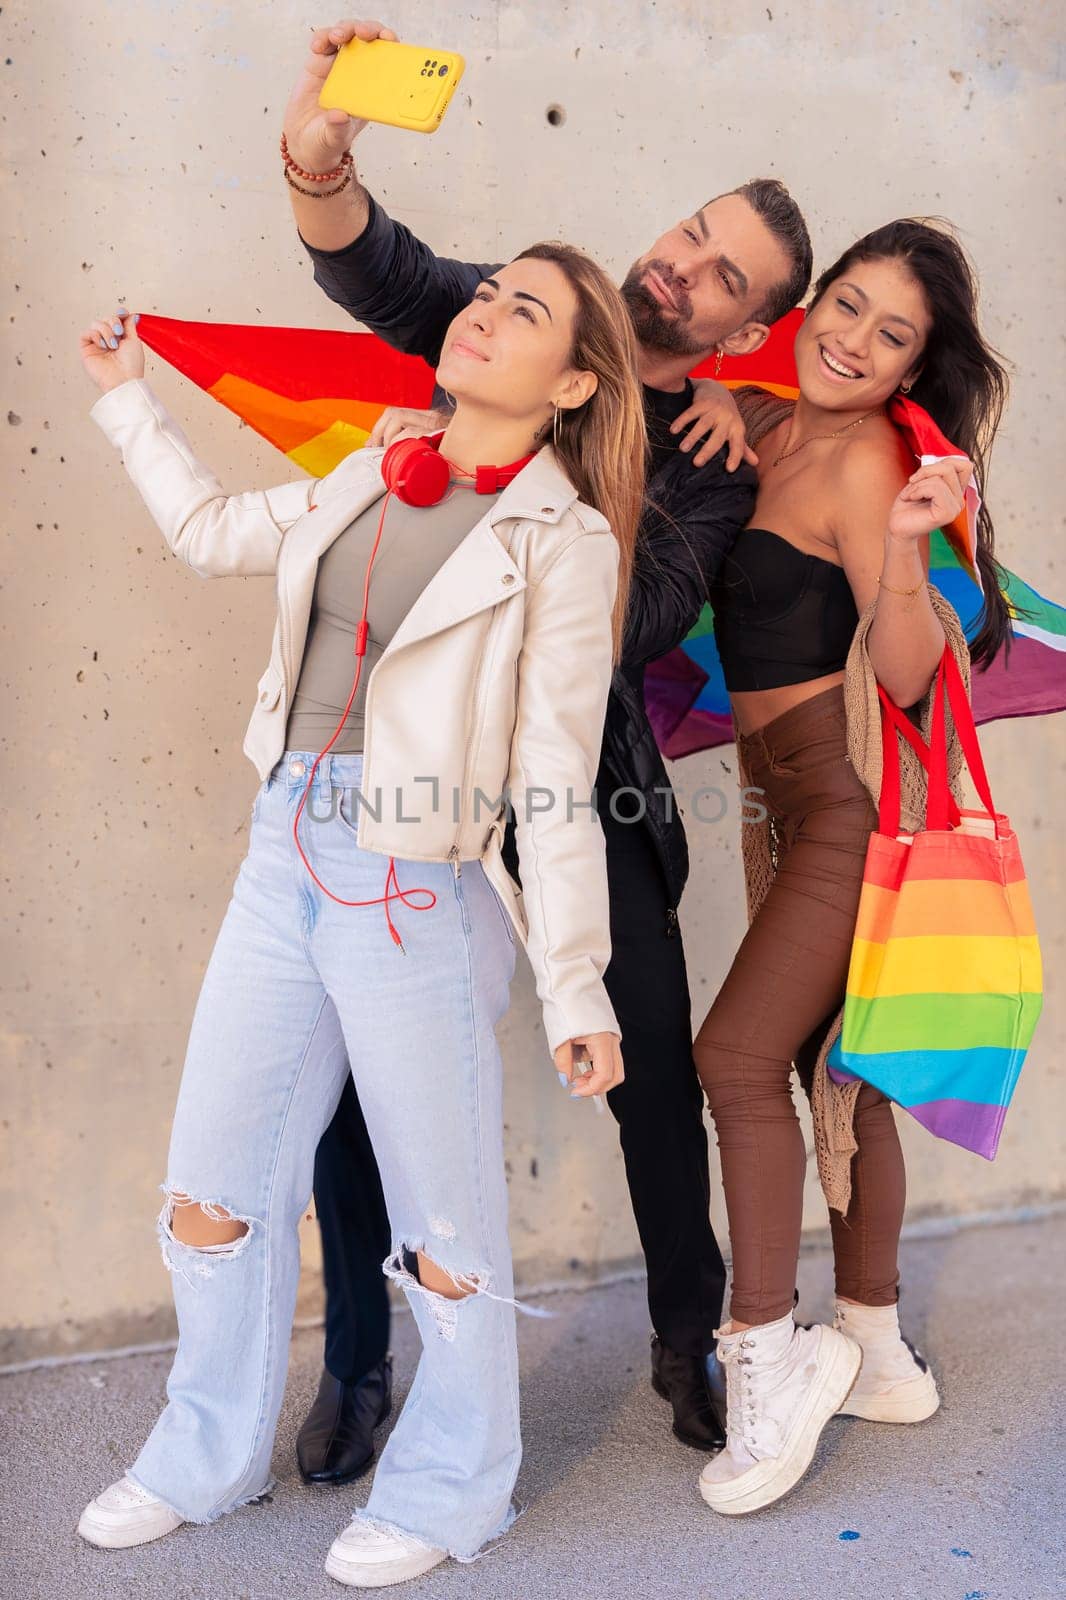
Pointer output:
774, 1009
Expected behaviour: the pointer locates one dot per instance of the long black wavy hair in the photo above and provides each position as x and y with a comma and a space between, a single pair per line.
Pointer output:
962, 382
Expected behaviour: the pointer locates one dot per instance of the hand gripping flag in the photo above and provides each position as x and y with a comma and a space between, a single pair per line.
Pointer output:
316, 394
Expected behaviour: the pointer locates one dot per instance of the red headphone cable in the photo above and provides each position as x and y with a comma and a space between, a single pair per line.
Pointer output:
361, 633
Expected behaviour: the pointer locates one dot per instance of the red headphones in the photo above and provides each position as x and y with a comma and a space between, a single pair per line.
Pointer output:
416, 473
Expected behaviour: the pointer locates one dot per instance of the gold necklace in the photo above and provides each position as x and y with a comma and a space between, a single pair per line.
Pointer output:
878, 412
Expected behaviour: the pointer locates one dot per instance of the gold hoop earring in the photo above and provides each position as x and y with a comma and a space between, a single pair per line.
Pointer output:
905, 388
555, 429
718, 364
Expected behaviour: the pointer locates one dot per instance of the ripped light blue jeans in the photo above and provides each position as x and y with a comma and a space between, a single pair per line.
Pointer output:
297, 988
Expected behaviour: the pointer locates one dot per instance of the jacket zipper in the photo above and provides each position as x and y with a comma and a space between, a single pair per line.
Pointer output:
283, 638
364, 783
473, 726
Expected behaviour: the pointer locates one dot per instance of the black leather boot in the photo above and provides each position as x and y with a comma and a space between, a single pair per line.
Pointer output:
336, 1443
699, 1411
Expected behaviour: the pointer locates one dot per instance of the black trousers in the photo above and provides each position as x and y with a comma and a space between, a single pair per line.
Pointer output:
659, 1111
659, 1106
356, 1238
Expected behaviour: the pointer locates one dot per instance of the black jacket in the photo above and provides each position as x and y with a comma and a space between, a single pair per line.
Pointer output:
394, 283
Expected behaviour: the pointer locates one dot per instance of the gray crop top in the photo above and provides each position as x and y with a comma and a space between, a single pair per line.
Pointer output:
416, 543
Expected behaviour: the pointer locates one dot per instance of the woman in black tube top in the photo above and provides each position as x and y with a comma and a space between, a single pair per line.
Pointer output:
841, 524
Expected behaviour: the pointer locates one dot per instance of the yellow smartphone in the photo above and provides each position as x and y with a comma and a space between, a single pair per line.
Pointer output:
403, 85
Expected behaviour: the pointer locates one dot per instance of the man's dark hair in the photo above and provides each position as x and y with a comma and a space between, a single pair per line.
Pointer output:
770, 200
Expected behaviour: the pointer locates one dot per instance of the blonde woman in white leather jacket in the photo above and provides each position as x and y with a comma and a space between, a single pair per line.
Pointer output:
492, 681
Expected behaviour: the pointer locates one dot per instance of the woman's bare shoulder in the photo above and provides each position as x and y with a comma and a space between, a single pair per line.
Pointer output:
877, 458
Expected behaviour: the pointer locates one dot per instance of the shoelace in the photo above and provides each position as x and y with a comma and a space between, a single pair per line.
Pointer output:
376, 1533
749, 1385
128, 1490
740, 1401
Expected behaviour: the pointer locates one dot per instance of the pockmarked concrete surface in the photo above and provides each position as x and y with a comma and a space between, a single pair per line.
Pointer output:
962, 1507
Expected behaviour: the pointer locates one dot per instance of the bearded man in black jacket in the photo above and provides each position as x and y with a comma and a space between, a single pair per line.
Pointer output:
714, 281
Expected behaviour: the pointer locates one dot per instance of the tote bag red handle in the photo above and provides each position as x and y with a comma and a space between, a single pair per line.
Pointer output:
951, 688
895, 722
942, 811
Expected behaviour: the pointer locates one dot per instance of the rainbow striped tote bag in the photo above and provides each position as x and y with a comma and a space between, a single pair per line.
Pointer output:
944, 985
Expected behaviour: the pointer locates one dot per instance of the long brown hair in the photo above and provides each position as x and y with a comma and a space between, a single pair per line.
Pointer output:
962, 382
602, 445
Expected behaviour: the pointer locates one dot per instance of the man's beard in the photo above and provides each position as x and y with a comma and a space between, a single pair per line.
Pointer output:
657, 327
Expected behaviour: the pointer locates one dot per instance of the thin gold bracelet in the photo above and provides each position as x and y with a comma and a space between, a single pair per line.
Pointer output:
913, 591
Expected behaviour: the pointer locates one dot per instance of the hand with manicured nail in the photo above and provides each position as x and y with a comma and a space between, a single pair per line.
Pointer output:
111, 350
591, 1064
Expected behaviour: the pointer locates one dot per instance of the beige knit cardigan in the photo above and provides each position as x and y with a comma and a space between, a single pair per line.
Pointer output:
832, 1104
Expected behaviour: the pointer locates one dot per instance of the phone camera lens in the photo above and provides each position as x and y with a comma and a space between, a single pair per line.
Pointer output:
443, 73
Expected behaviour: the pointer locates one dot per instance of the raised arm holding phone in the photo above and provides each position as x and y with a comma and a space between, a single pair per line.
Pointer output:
332, 215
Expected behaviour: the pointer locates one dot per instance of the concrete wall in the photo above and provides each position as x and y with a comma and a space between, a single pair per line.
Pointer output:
141, 165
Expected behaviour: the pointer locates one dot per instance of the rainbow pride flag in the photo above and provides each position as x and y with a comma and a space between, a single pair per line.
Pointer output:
315, 395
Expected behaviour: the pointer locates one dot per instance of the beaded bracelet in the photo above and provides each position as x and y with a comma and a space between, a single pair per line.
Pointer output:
317, 194
314, 177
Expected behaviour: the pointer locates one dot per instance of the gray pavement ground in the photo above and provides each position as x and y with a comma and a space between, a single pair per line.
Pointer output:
963, 1507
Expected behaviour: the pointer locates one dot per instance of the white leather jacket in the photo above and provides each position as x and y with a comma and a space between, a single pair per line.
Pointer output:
496, 681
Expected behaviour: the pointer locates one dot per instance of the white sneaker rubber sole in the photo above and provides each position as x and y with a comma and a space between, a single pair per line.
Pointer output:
107, 1532
914, 1400
769, 1481
379, 1575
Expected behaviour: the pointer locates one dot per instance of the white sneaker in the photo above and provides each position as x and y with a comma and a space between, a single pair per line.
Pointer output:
125, 1515
894, 1385
366, 1557
783, 1384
